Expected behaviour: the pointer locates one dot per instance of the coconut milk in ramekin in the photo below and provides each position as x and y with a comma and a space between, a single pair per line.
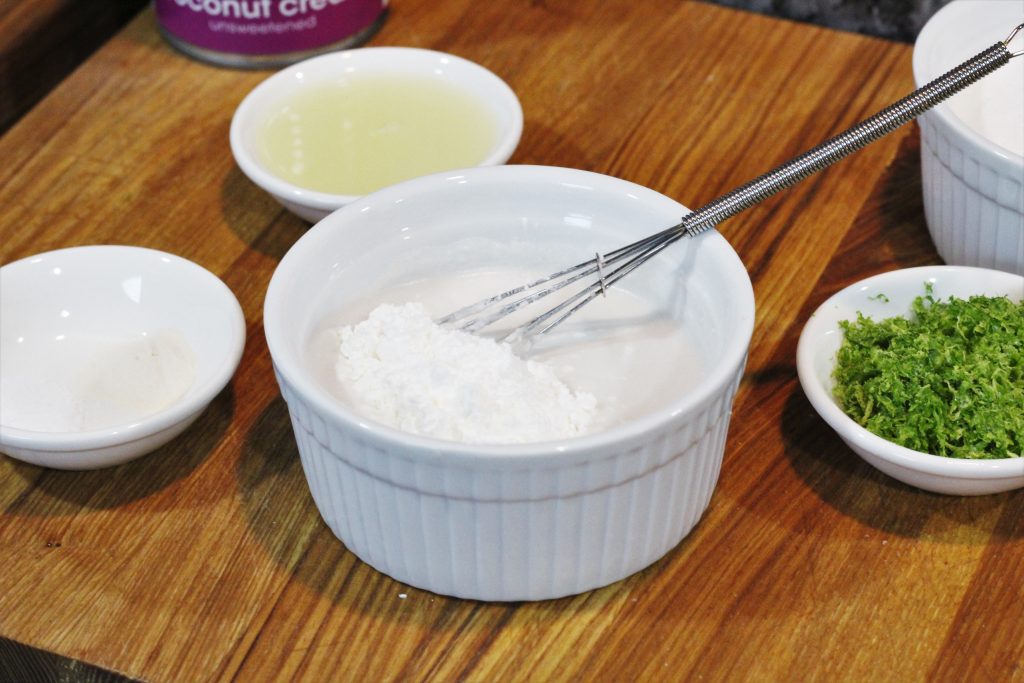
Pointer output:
266, 33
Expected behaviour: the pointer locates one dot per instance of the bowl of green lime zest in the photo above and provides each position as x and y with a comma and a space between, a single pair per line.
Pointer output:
921, 372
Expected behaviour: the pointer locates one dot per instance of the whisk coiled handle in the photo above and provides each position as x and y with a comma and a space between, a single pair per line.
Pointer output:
849, 141
626, 259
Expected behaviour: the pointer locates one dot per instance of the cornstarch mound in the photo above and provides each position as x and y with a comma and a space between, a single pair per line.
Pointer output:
406, 371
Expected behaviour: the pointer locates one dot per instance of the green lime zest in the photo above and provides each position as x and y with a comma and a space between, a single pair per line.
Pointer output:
948, 380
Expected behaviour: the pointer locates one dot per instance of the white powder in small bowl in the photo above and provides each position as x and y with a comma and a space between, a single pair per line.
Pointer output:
404, 370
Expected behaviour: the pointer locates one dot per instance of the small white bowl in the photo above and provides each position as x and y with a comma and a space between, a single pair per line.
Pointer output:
312, 205
971, 164
509, 522
885, 296
109, 352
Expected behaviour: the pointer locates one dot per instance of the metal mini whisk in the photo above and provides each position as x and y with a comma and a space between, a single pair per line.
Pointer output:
615, 265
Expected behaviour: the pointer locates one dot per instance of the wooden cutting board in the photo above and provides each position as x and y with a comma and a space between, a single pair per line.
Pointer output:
207, 560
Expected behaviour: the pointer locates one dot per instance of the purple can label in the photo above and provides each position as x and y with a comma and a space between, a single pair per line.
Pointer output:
265, 27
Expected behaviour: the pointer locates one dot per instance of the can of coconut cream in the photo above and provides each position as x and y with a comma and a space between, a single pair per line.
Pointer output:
266, 33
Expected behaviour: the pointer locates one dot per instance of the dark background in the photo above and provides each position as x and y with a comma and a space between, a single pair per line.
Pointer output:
894, 19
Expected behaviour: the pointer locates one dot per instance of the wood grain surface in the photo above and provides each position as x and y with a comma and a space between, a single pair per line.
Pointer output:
42, 41
207, 560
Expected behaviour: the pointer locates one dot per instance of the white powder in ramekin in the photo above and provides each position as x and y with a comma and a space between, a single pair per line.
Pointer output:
404, 370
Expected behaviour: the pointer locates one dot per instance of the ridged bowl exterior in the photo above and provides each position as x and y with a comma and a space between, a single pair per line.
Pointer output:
973, 187
491, 532
973, 202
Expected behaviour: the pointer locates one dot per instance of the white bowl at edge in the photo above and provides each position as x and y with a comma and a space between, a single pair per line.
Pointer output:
90, 337
972, 181
884, 296
313, 205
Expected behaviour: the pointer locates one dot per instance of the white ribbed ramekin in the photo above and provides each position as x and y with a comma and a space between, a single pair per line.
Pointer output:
523, 522
973, 187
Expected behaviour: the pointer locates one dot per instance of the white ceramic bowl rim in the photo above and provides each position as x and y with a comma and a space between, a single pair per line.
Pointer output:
925, 71
438, 450
379, 57
883, 448
197, 397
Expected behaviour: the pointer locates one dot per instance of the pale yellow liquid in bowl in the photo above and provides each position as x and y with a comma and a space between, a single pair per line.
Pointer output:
361, 133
